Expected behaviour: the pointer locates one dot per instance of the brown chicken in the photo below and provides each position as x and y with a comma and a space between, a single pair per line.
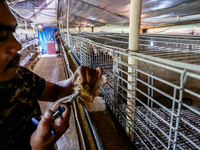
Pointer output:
89, 98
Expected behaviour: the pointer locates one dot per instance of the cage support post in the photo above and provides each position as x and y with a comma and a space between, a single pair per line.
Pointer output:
68, 7
134, 34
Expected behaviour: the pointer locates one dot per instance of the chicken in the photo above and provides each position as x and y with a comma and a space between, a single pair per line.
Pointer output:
95, 50
89, 95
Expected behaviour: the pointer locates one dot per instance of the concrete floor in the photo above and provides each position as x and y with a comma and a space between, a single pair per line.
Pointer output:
51, 69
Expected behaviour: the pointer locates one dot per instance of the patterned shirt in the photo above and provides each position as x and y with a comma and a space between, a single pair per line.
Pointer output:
58, 40
18, 104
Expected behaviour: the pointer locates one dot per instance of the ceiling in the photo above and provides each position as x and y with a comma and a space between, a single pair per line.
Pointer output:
95, 13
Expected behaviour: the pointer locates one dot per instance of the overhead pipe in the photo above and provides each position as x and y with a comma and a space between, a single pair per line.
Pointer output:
58, 10
42, 7
68, 7
134, 34
61, 23
14, 3
26, 26
59, 26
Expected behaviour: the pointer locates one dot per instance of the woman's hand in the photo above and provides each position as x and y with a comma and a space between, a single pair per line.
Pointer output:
42, 139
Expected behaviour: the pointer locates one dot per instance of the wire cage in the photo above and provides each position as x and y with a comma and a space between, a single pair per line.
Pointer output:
154, 97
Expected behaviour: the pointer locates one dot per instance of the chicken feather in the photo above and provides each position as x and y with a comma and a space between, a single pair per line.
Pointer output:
89, 95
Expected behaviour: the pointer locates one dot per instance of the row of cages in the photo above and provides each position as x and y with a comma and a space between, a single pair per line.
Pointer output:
155, 100
30, 53
182, 48
25, 39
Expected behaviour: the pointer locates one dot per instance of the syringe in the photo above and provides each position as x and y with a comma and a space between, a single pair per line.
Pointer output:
58, 112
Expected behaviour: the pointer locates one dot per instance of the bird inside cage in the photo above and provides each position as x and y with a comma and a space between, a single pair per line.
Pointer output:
91, 49
99, 50
104, 51
109, 52
74, 47
89, 97
77, 44
84, 43
95, 50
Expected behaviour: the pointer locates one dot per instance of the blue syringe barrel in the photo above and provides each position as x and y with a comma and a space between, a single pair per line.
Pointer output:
56, 114
36, 121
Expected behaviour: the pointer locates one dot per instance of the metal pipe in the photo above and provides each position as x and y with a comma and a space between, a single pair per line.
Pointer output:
79, 126
26, 26
68, 8
134, 32
74, 106
93, 128
60, 27
182, 79
61, 22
